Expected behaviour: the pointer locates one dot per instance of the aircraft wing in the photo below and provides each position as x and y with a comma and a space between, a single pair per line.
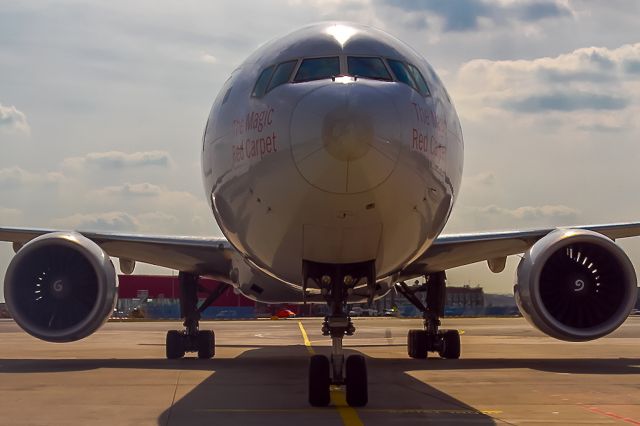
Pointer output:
450, 251
212, 256
202, 255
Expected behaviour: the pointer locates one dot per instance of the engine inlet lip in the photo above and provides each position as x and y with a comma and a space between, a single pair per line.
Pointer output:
563, 238
72, 240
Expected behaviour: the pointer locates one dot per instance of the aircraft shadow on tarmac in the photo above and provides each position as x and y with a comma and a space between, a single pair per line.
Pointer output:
273, 379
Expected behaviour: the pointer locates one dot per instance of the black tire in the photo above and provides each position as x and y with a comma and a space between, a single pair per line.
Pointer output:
206, 344
175, 344
450, 348
319, 381
356, 381
417, 344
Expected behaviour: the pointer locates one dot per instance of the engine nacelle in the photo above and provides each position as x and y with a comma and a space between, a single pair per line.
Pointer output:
60, 287
575, 285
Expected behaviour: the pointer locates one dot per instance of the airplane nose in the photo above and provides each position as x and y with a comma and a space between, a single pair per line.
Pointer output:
345, 137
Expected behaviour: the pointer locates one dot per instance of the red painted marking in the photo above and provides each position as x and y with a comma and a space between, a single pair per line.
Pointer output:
596, 410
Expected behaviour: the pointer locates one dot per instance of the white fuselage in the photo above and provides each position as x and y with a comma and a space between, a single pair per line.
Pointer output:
332, 170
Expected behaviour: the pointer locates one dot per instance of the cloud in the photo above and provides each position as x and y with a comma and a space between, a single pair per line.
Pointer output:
114, 160
16, 177
535, 11
145, 195
110, 221
157, 209
466, 15
208, 58
531, 213
13, 120
632, 66
152, 222
132, 190
158, 220
9, 215
567, 102
482, 179
601, 128
458, 15
473, 218
587, 82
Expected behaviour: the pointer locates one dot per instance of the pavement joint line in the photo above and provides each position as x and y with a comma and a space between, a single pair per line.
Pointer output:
173, 399
348, 414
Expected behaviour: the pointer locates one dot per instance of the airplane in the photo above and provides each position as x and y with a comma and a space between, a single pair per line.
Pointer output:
331, 160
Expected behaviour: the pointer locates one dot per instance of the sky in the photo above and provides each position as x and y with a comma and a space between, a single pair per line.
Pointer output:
103, 104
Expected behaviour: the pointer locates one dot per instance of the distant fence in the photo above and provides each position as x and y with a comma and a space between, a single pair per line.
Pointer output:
172, 311
450, 311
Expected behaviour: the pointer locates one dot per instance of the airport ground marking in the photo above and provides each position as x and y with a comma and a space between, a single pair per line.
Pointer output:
347, 413
307, 342
596, 410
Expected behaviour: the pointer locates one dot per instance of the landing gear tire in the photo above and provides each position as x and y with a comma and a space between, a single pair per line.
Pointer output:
319, 381
450, 344
356, 381
175, 344
206, 344
417, 344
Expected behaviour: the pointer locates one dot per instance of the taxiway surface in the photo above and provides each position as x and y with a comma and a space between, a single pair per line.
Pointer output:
508, 374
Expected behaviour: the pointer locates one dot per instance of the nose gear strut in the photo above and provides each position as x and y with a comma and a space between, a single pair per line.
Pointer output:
336, 283
431, 339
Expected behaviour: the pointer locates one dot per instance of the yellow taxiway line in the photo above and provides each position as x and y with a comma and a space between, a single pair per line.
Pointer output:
348, 414
307, 342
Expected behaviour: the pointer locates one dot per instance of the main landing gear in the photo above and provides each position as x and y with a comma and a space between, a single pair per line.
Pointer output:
192, 339
420, 342
337, 283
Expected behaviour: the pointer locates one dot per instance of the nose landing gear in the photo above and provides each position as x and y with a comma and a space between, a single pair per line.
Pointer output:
326, 371
335, 370
431, 339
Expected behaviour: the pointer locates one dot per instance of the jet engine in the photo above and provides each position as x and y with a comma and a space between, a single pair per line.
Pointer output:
60, 287
575, 285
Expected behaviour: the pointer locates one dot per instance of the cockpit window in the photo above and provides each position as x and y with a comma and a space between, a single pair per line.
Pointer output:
402, 73
367, 68
420, 81
261, 85
318, 69
282, 74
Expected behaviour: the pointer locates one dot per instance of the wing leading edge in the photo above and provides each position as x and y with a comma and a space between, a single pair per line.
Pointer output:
450, 251
202, 255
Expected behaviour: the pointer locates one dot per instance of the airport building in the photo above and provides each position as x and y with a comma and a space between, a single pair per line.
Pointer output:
464, 300
155, 296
